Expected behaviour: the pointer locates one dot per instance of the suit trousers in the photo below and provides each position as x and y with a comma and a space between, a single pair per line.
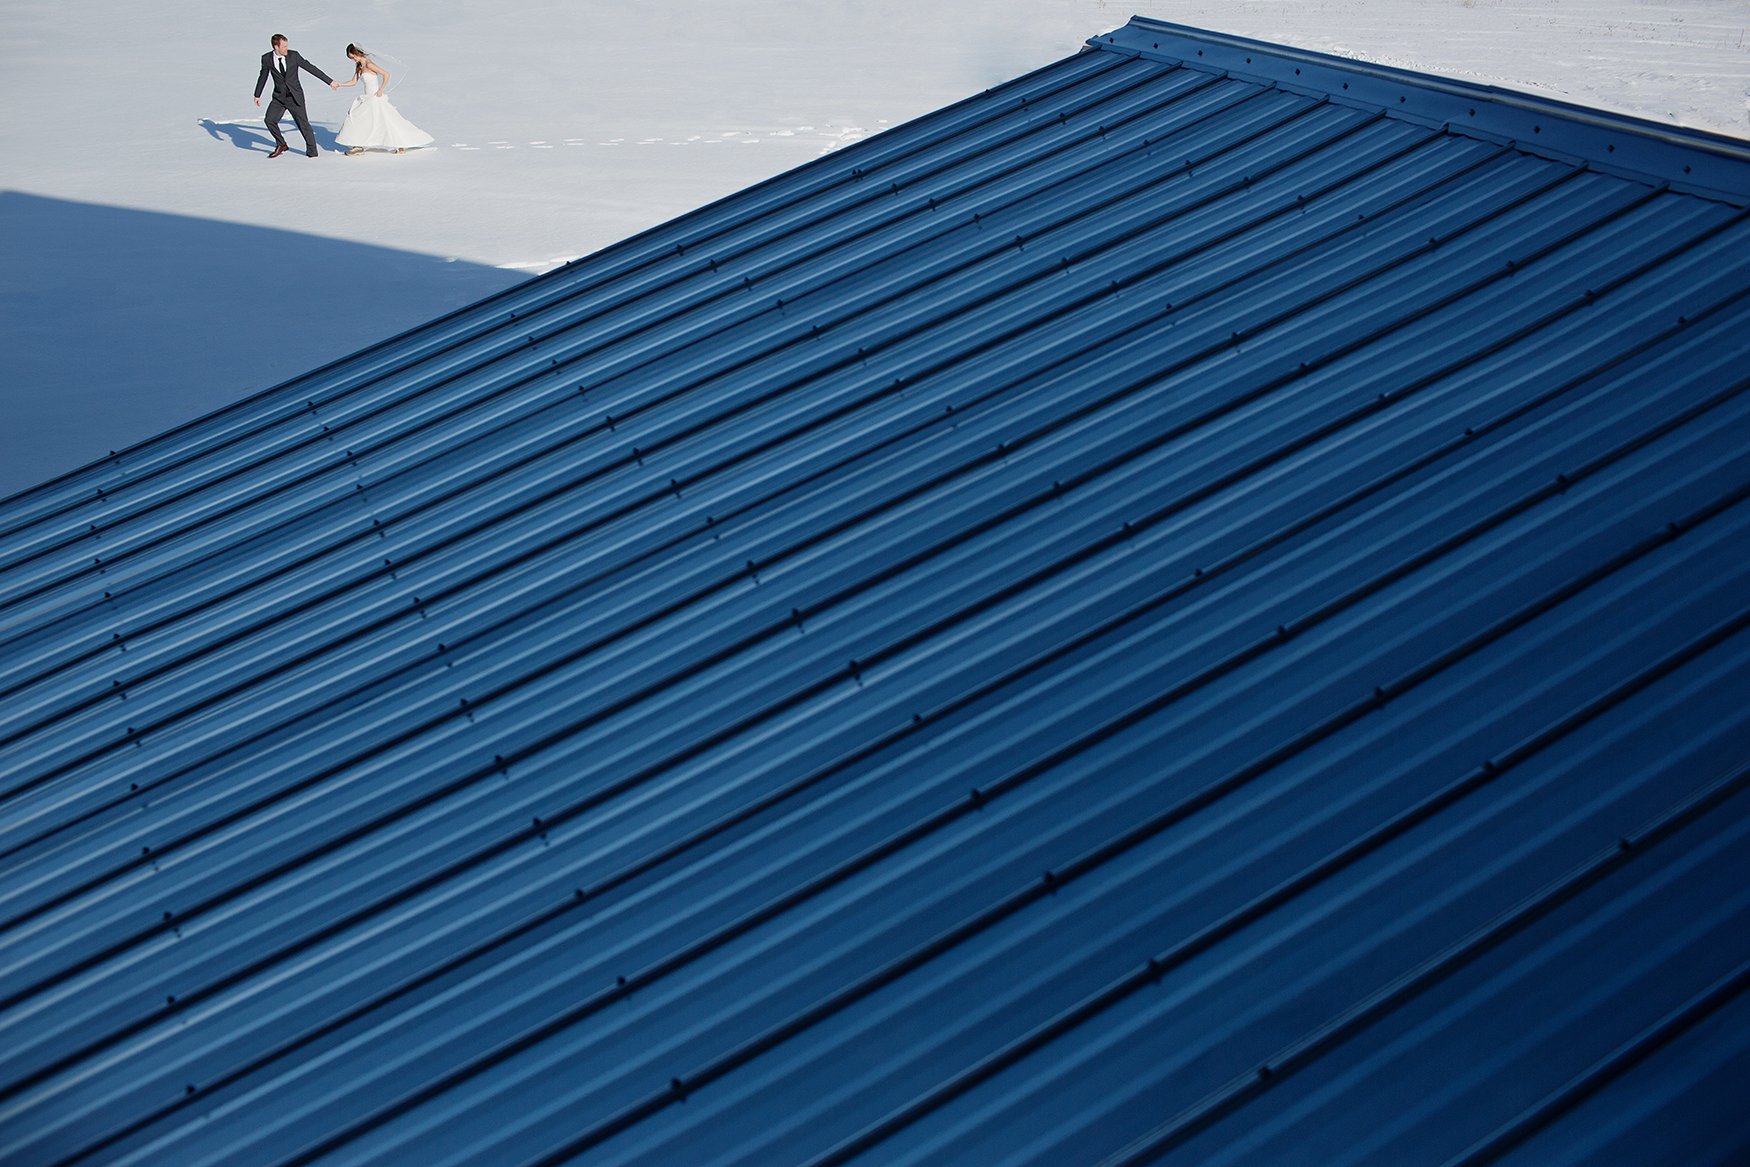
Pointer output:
278, 109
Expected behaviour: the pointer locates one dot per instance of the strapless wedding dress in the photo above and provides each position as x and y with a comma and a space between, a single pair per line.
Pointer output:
376, 125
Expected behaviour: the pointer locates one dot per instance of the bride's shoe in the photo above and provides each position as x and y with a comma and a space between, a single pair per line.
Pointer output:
355, 150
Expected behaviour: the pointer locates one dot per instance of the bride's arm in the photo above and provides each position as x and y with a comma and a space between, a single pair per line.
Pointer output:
381, 72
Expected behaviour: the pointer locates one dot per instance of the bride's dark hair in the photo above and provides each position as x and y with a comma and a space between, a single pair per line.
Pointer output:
350, 50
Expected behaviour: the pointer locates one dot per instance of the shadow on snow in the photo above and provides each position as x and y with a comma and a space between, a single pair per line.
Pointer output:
120, 324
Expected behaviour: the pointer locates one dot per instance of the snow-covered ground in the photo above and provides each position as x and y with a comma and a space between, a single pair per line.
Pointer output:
155, 265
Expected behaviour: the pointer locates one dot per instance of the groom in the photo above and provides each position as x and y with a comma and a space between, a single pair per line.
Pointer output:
288, 93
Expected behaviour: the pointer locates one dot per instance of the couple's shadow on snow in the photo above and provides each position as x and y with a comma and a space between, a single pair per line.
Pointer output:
253, 136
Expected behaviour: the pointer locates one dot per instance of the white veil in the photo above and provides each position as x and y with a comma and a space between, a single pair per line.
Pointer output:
396, 67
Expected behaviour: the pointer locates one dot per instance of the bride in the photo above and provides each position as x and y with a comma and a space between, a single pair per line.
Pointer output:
372, 123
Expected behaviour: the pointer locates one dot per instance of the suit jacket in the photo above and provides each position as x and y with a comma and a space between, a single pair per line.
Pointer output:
287, 89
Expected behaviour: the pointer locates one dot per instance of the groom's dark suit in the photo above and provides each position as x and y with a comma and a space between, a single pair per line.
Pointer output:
288, 95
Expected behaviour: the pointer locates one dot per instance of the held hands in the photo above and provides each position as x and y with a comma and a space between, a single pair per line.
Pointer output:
334, 85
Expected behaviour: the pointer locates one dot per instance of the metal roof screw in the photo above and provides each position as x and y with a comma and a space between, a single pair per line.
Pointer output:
537, 820
917, 719
167, 916
1624, 845
675, 1085
170, 1000
189, 1089
1264, 1073
620, 981
577, 894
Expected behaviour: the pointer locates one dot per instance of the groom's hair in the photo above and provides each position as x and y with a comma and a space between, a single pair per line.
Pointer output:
277, 38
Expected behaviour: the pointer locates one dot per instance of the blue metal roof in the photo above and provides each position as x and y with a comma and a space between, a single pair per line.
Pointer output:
1191, 607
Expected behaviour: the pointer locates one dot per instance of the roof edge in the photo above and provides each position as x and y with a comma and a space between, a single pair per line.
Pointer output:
1697, 161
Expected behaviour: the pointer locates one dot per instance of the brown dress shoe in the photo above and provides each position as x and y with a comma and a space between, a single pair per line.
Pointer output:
277, 151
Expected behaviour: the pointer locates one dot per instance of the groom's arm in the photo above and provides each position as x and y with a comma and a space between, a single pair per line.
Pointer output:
261, 81
325, 78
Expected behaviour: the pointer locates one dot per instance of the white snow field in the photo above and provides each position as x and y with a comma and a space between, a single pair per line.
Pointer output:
155, 265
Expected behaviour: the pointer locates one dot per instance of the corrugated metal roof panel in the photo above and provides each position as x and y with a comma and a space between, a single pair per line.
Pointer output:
1169, 611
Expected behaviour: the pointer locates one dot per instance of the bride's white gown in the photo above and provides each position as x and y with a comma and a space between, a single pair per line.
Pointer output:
375, 124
